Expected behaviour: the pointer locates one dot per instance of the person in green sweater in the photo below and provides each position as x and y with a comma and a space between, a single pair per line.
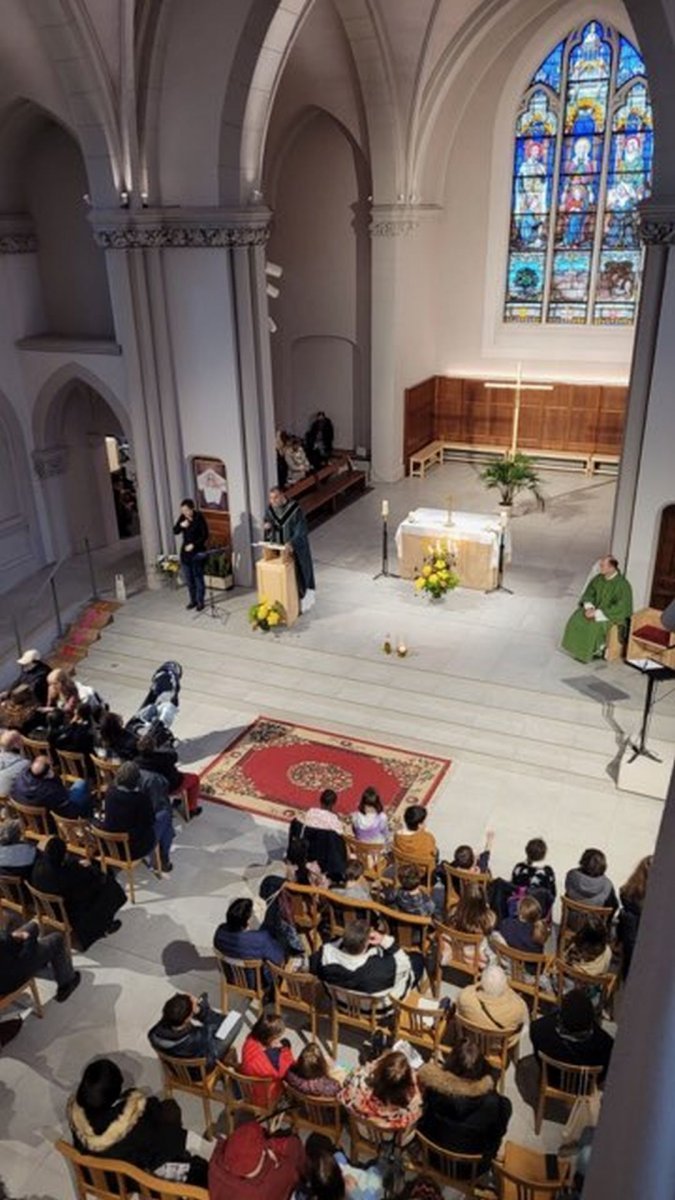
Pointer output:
607, 601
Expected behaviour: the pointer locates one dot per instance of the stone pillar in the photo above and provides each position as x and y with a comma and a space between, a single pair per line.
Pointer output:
193, 328
634, 1147
388, 226
646, 480
51, 464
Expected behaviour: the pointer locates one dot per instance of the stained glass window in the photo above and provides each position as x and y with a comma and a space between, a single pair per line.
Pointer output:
582, 163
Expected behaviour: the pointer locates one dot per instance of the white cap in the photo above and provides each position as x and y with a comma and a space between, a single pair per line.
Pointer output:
28, 657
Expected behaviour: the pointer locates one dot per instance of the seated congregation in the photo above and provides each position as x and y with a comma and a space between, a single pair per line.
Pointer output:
437, 976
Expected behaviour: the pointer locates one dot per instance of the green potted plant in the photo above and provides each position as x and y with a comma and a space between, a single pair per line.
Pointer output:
511, 475
218, 571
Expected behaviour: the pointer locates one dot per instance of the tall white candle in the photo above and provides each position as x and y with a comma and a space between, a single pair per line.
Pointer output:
385, 508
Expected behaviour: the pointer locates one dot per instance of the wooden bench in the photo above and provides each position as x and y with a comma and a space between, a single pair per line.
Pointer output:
428, 456
469, 450
604, 464
563, 460
326, 495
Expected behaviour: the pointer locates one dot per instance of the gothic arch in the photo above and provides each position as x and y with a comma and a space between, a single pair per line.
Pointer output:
22, 551
45, 411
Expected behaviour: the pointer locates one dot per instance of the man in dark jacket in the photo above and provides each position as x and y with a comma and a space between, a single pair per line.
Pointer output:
33, 674
367, 961
192, 525
572, 1035
38, 787
188, 1028
91, 899
234, 939
129, 810
23, 952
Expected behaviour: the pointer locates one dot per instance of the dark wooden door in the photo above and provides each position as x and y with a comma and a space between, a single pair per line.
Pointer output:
663, 582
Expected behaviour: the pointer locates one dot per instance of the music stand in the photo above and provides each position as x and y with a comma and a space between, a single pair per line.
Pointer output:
210, 590
654, 673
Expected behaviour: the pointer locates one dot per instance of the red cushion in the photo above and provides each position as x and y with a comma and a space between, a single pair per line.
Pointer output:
653, 633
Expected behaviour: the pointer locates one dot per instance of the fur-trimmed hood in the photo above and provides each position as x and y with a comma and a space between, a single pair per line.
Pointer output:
112, 1127
433, 1076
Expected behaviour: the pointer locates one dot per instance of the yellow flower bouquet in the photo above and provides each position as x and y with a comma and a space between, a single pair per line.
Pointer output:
437, 575
266, 614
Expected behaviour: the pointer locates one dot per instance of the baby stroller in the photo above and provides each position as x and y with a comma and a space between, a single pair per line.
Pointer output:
158, 711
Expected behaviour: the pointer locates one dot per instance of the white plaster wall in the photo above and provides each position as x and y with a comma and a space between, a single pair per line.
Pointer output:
72, 267
320, 353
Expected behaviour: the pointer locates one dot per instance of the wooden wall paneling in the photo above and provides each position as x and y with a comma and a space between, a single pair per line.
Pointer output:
418, 427
578, 417
449, 411
611, 417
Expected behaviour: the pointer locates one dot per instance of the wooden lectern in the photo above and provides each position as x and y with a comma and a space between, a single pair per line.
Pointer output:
275, 577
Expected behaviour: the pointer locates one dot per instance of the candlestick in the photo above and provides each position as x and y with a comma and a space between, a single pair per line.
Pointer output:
385, 508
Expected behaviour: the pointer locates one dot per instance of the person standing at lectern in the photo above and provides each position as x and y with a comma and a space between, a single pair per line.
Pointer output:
286, 525
607, 601
192, 525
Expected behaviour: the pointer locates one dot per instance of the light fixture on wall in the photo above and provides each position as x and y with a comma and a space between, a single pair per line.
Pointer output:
256, 196
144, 199
124, 198
272, 271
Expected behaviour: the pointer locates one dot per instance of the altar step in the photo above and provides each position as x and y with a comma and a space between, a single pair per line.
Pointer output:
230, 677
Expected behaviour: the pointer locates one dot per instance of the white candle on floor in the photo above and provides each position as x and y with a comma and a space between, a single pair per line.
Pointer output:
385, 508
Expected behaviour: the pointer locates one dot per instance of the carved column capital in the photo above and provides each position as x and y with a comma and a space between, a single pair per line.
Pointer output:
50, 461
656, 223
179, 228
399, 220
17, 234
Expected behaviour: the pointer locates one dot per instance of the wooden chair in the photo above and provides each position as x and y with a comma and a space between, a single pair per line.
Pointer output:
305, 913
34, 821
13, 897
559, 1081
247, 1094
496, 1045
183, 805
457, 882
35, 747
50, 912
315, 1114
77, 833
461, 951
11, 998
423, 1027
446, 1168
341, 910
648, 638
374, 857
524, 1174
72, 766
297, 991
409, 931
243, 976
574, 914
114, 852
110, 1179
600, 988
105, 771
356, 1010
191, 1075
367, 1138
526, 973
426, 865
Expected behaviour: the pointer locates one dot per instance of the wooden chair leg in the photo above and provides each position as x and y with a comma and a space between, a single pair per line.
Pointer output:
37, 1003
132, 890
539, 1115
334, 1031
208, 1119
223, 996
158, 861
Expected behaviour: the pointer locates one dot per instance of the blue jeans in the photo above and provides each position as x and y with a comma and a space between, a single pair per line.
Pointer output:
79, 795
165, 832
193, 573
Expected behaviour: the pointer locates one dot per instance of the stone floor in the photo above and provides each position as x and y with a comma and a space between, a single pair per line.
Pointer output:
534, 738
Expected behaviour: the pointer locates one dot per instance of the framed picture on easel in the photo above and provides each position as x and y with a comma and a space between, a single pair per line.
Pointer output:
210, 484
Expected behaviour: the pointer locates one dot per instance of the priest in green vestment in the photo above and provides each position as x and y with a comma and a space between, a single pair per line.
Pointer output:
607, 601
286, 525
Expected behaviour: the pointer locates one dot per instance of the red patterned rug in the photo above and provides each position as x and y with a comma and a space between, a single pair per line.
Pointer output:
278, 769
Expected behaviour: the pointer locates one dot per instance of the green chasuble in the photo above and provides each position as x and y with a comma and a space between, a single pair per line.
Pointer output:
585, 639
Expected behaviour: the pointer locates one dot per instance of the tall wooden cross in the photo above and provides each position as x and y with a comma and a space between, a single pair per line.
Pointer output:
518, 387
